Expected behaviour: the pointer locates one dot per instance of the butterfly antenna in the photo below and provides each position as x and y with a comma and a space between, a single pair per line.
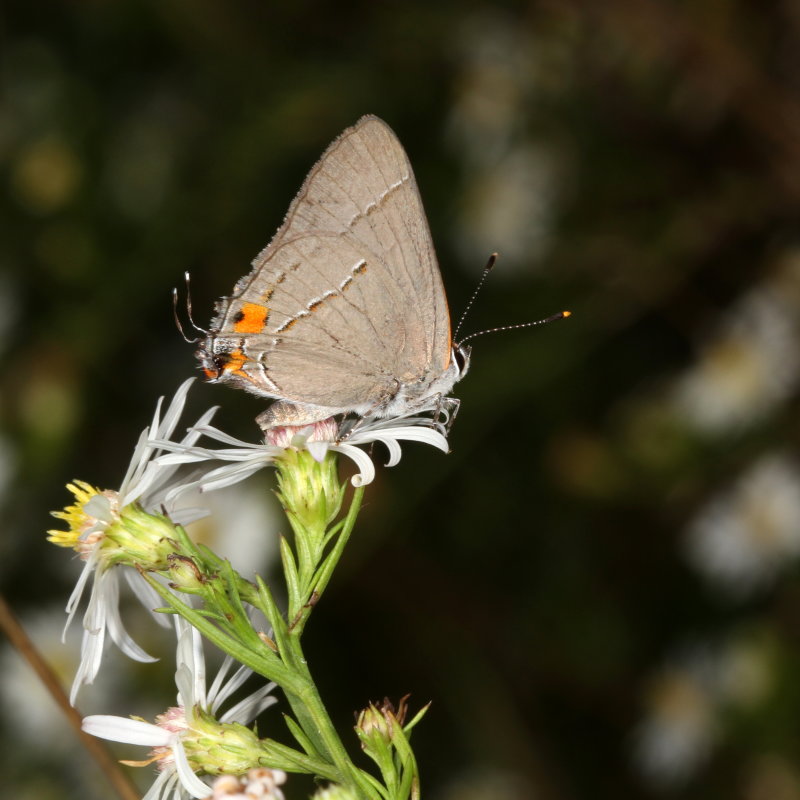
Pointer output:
551, 318
188, 312
486, 270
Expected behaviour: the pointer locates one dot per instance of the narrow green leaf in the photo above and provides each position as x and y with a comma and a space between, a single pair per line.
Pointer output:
291, 577
300, 737
323, 574
417, 717
280, 756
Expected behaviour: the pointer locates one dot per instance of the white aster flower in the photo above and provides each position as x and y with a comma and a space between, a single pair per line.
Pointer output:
91, 518
743, 538
746, 368
244, 458
680, 727
690, 697
190, 733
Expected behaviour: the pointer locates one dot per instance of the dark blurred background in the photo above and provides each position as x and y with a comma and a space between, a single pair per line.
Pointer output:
598, 589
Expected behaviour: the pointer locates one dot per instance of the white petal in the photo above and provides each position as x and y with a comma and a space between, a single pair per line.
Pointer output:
122, 639
219, 478
224, 692
198, 668
165, 429
366, 469
221, 436
318, 450
216, 690
186, 516
185, 685
411, 433
196, 431
148, 597
137, 465
77, 592
394, 450
190, 781
167, 470
98, 506
191, 455
94, 625
91, 657
248, 709
124, 729
105, 591
161, 786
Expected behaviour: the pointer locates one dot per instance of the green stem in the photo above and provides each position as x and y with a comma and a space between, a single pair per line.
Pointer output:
308, 705
309, 708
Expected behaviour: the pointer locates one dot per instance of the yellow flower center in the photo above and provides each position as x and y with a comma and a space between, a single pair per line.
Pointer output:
84, 528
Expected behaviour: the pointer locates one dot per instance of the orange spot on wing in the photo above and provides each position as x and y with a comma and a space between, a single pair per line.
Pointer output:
251, 318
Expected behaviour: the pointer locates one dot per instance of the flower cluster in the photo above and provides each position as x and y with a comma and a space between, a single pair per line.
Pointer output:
136, 533
258, 783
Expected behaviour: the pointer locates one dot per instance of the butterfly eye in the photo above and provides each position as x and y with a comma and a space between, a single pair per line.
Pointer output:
214, 366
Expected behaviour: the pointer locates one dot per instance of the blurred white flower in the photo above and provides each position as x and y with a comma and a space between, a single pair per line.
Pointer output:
747, 367
686, 701
510, 198
679, 728
495, 70
508, 206
742, 538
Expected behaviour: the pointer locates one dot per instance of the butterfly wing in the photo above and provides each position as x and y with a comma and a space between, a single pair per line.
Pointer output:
346, 302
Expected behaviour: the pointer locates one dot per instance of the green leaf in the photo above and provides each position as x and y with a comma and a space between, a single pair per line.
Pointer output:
291, 577
300, 737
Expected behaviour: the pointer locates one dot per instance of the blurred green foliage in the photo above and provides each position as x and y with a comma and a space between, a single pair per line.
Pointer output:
597, 587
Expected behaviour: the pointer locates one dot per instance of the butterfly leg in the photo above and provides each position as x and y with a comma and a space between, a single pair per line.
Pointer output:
450, 406
447, 407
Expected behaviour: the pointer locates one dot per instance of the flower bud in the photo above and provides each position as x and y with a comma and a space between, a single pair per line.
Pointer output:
185, 574
220, 748
309, 490
382, 721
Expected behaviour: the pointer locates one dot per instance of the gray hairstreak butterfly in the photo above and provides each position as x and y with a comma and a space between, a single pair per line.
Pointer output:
344, 311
